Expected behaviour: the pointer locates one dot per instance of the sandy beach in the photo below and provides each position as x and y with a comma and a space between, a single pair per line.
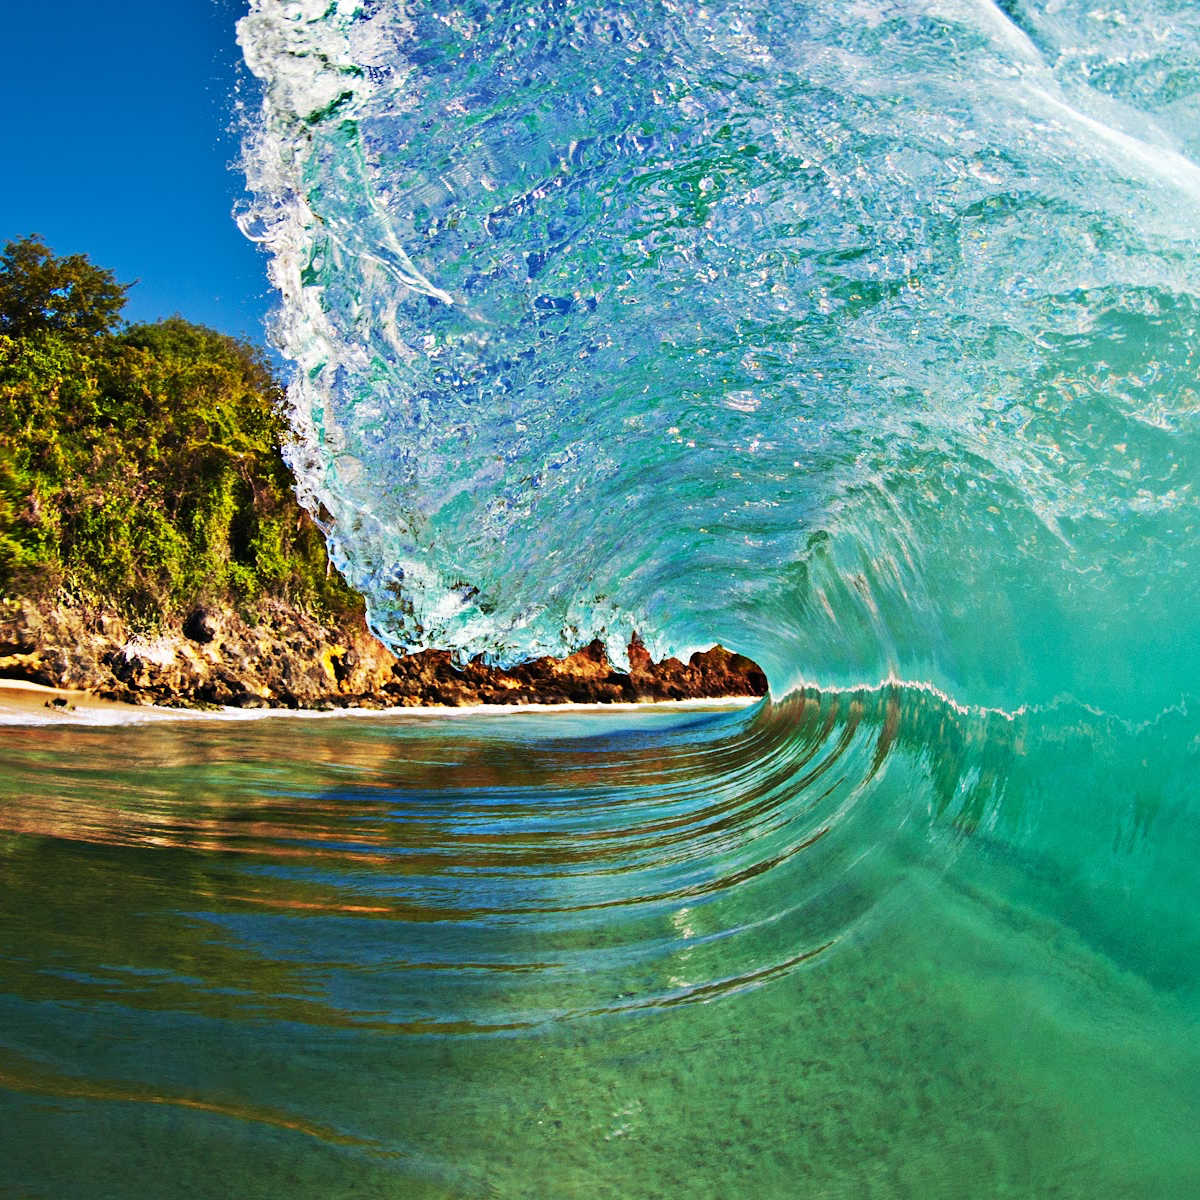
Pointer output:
24, 703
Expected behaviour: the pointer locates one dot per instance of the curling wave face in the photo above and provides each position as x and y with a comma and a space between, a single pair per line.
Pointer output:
862, 338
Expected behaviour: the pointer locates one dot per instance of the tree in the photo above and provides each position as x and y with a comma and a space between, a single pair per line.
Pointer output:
176, 338
40, 292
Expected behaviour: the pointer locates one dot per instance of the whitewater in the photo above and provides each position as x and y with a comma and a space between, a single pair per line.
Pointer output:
860, 337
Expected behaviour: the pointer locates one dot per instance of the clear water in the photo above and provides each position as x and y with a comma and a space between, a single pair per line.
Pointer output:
860, 336
628, 955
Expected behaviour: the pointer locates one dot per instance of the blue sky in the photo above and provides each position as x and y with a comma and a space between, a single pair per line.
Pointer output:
116, 143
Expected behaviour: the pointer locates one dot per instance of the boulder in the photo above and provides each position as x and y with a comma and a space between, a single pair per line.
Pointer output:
201, 626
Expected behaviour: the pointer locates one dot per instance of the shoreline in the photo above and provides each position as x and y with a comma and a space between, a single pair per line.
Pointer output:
35, 705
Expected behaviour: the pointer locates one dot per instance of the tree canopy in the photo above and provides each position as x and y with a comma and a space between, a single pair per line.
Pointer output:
141, 469
42, 292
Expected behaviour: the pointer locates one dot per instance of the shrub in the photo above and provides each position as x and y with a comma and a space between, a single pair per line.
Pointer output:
142, 468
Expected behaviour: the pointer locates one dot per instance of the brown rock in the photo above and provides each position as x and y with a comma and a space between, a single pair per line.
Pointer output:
288, 658
201, 626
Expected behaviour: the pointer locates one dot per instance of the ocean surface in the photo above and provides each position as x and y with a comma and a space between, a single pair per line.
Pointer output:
861, 337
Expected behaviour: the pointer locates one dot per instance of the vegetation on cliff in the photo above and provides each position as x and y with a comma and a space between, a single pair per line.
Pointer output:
141, 466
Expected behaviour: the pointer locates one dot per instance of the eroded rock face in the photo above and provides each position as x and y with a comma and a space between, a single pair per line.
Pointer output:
289, 659
201, 626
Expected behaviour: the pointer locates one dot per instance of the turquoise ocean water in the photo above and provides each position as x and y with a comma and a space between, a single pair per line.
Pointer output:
861, 337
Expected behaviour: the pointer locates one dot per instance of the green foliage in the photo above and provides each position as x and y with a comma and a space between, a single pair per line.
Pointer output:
143, 469
39, 292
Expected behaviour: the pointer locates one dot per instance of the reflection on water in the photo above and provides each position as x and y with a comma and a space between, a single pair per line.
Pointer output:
848, 945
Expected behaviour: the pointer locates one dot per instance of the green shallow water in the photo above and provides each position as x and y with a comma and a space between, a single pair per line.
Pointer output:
627, 955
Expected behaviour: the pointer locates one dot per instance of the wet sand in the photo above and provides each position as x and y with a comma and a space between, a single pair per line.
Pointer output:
22, 702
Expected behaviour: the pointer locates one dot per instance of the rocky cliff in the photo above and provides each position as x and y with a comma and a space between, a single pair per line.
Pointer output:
285, 657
